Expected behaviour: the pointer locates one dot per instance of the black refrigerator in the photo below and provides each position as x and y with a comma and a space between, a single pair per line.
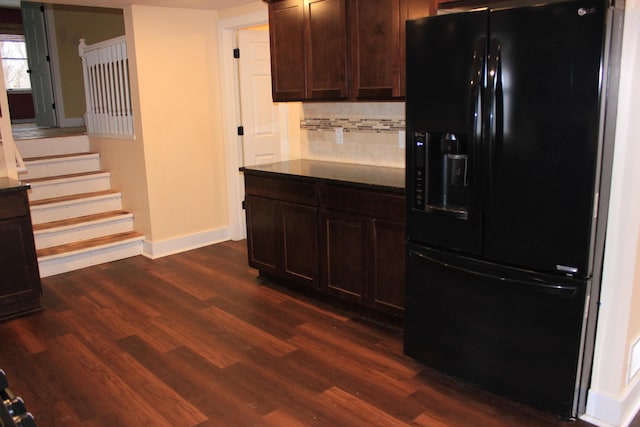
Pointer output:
504, 128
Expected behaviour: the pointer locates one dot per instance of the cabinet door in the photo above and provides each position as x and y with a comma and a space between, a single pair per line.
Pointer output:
262, 233
300, 243
287, 43
387, 282
345, 266
326, 49
19, 277
282, 239
375, 48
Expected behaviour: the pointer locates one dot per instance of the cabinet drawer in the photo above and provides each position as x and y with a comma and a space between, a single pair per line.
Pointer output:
285, 189
375, 204
13, 205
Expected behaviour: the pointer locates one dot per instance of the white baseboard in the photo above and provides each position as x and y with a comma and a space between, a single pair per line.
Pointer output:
71, 122
605, 410
167, 247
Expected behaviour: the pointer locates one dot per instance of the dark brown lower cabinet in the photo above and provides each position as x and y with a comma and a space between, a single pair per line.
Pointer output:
282, 230
345, 247
20, 288
362, 246
339, 239
387, 283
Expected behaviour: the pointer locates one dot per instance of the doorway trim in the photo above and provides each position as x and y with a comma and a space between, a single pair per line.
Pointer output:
231, 117
56, 80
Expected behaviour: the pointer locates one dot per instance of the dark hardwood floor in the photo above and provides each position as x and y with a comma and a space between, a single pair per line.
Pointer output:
195, 339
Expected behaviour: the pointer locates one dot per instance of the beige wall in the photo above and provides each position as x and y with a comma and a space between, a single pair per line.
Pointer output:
174, 57
245, 9
71, 23
125, 161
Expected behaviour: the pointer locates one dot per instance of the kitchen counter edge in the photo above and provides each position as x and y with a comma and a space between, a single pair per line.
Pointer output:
364, 176
8, 185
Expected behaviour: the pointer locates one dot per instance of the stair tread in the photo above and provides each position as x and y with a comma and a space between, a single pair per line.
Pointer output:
79, 220
72, 197
86, 244
71, 175
61, 156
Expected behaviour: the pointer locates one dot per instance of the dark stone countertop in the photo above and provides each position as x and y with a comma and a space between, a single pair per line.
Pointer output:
381, 177
8, 185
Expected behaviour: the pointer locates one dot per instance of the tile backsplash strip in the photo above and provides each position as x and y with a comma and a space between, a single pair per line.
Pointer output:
372, 133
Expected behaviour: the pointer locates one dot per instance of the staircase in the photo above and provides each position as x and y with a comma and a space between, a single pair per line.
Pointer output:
77, 218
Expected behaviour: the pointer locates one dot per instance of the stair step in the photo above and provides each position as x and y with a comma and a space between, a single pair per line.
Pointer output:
77, 219
71, 230
41, 147
74, 256
67, 185
48, 166
59, 208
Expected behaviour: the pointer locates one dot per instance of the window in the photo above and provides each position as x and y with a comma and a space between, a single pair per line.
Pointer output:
13, 50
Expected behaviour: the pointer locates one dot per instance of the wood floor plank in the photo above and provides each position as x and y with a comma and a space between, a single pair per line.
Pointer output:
197, 339
220, 397
268, 317
110, 384
280, 417
254, 336
353, 411
176, 373
158, 395
215, 350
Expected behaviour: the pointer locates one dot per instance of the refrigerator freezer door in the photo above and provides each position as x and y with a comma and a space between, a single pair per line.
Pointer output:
445, 64
544, 120
512, 332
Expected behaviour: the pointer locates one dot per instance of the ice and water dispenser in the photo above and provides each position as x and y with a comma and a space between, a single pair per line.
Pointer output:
441, 173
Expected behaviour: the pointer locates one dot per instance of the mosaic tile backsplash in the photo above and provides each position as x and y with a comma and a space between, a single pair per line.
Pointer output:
373, 133
353, 125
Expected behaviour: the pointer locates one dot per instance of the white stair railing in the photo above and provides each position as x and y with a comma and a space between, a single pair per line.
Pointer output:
106, 86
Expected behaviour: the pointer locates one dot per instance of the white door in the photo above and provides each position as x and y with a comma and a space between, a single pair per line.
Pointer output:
260, 116
35, 35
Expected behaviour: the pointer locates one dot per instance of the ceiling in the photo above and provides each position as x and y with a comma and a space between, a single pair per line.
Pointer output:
187, 4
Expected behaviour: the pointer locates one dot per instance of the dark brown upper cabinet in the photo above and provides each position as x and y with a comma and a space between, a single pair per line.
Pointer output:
375, 49
326, 29
287, 44
308, 49
340, 49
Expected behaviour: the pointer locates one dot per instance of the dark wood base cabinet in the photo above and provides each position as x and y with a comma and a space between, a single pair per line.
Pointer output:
341, 240
20, 288
282, 232
362, 246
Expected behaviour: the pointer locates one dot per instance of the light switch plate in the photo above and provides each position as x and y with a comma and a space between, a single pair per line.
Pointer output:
339, 135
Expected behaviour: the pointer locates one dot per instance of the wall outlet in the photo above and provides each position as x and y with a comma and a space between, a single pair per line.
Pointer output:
339, 135
402, 138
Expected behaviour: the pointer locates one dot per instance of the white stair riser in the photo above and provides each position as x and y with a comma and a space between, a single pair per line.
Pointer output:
52, 146
50, 266
69, 186
62, 236
61, 166
58, 211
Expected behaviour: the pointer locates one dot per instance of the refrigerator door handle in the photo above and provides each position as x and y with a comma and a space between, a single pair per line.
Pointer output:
476, 89
557, 289
495, 113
